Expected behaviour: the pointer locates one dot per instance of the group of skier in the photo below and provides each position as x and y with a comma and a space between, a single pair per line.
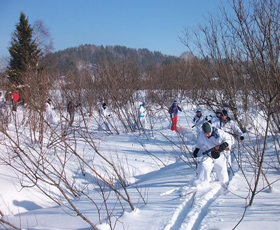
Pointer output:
215, 136
104, 121
14, 98
104, 114
215, 141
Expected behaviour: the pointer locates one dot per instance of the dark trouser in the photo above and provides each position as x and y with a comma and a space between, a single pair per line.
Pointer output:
14, 105
71, 118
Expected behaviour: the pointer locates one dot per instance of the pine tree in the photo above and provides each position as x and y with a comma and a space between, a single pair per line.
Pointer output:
24, 51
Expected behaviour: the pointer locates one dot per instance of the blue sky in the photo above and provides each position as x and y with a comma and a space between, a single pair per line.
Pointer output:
151, 24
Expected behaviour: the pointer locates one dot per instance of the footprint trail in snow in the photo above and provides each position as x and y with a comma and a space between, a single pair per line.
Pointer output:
194, 207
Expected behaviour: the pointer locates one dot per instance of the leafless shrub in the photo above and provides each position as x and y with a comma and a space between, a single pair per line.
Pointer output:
243, 77
44, 153
4, 223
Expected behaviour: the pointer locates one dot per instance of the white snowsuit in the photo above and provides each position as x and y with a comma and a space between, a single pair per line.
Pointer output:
142, 117
229, 126
214, 119
207, 163
2, 101
198, 122
49, 113
103, 124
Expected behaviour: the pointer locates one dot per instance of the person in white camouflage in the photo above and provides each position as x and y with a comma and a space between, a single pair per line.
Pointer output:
219, 142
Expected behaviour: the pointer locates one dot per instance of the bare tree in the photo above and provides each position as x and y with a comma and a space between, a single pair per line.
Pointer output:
43, 38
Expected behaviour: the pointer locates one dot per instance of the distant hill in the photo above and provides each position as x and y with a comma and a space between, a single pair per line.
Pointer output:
91, 55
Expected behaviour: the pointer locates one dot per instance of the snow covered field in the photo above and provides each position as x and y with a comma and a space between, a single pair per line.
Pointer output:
154, 164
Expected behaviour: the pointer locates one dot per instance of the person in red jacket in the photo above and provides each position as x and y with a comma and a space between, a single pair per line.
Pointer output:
14, 99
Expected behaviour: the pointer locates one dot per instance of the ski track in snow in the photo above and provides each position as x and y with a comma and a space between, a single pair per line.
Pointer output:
191, 212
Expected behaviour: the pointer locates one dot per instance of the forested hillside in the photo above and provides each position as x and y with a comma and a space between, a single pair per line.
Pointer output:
90, 55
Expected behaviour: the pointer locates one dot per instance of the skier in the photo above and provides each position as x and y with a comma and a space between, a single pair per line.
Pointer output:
3, 112
216, 117
198, 120
2, 101
229, 126
173, 111
103, 118
142, 112
71, 111
14, 99
219, 142
49, 112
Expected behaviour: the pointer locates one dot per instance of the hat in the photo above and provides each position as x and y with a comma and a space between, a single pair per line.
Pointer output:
198, 109
219, 111
175, 102
207, 127
144, 103
224, 112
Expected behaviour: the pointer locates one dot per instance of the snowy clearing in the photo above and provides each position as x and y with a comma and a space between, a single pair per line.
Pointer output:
152, 163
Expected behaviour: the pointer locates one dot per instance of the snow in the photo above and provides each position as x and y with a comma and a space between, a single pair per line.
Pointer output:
154, 164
